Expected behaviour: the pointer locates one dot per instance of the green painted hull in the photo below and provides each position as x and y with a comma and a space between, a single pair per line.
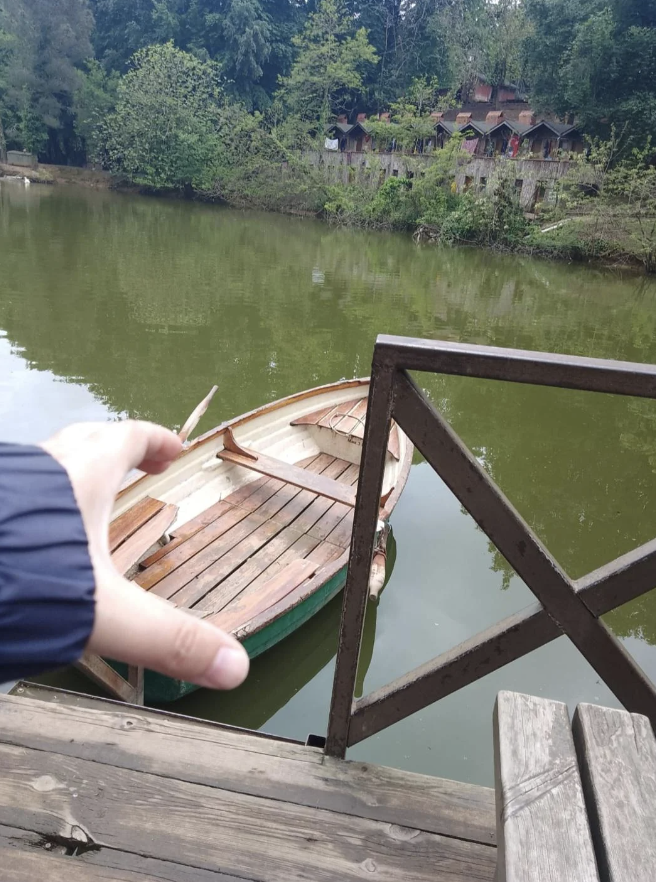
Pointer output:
161, 690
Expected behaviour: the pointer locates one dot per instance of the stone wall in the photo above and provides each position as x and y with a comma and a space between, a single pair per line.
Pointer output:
21, 159
535, 179
365, 168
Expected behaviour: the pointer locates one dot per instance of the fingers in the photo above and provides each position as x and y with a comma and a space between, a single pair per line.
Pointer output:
130, 625
141, 629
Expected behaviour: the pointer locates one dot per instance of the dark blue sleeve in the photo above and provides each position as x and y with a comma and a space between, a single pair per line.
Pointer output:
46, 578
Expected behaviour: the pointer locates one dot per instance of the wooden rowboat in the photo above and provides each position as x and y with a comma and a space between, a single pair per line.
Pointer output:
250, 527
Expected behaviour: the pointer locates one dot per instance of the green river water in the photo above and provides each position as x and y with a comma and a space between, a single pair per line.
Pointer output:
114, 305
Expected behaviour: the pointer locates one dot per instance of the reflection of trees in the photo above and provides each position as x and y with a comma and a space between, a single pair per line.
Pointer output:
150, 301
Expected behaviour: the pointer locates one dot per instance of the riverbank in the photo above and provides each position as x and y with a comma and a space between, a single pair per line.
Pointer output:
476, 220
97, 179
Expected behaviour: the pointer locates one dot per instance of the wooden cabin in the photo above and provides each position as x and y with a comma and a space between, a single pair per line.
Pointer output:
548, 140
353, 138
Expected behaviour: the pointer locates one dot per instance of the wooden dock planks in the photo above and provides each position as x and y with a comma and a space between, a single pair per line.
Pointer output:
542, 824
617, 755
154, 796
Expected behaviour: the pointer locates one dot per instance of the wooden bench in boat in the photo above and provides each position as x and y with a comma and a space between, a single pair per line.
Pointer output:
573, 806
137, 530
347, 418
283, 471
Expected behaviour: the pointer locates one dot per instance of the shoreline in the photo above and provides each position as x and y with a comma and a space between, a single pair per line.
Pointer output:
98, 179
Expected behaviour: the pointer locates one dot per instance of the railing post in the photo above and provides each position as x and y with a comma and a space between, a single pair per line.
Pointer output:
372, 468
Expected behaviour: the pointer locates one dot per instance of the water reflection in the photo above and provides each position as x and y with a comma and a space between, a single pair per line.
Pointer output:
117, 305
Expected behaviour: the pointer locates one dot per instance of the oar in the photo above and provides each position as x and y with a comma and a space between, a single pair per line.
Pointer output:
194, 417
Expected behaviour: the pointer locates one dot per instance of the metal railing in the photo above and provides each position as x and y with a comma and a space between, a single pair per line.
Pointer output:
564, 606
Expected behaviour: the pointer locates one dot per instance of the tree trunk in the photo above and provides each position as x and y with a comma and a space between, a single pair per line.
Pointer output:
3, 144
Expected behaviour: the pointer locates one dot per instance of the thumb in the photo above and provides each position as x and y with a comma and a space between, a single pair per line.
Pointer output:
142, 629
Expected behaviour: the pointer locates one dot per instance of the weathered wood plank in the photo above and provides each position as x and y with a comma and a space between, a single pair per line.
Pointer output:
208, 754
542, 827
213, 829
129, 553
247, 607
193, 585
336, 514
122, 527
248, 496
267, 562
291, 474
188, 530
241, 582
617, 753
226, 527
210, 544
26, 857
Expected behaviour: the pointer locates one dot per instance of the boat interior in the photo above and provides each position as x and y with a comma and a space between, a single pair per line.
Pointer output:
251, 512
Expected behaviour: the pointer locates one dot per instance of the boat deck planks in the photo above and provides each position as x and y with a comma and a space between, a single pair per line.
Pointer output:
240, 545
108, 791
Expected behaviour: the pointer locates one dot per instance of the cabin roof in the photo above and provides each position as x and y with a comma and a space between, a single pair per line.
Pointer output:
480, 128
515, 127
558, 129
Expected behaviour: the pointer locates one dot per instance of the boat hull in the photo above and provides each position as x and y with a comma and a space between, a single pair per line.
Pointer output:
159, 689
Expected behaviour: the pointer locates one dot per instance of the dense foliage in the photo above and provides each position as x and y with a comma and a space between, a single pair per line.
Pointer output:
592, 60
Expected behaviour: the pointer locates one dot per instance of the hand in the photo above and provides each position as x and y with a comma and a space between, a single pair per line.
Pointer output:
130, 624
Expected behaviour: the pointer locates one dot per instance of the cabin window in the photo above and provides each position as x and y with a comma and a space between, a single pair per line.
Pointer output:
395, 173
482, 184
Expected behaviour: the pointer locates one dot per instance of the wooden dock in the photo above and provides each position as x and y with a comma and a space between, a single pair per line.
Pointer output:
93, 789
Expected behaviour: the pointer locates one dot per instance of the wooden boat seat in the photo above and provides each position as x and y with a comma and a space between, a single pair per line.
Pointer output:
347, 418
283, 471
137, 530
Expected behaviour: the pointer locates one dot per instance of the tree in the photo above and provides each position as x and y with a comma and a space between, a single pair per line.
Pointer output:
125, 26
614, 196
5, 61
247, 33
50, 38
410, 119
596, 61
332, 57
163, 133
93, 102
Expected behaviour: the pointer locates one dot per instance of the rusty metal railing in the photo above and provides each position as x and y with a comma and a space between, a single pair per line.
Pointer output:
564, 606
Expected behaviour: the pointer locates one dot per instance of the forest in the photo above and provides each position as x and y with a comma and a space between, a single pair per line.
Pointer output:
64, 63
219, 98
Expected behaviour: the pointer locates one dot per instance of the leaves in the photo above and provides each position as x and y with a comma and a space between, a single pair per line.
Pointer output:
163, 133
331, 61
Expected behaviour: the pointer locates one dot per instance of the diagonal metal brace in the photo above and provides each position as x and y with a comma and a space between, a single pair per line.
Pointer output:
500, 521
